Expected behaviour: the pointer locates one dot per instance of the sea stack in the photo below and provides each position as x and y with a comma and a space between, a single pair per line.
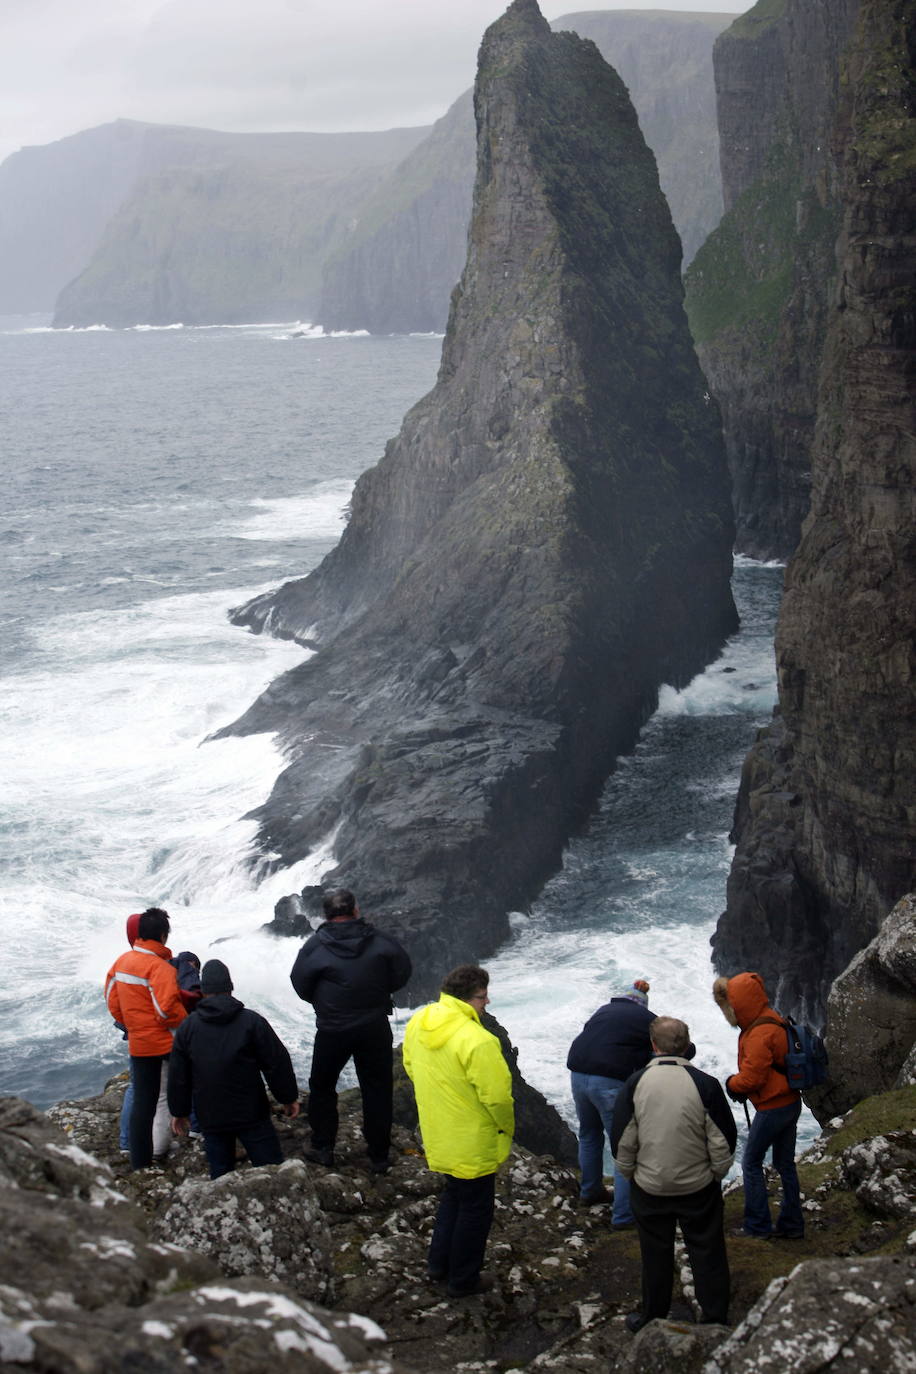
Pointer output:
546, 541
825, 817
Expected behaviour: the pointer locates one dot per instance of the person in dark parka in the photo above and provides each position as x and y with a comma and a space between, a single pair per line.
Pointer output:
348, 970
221, 1059
613, 1043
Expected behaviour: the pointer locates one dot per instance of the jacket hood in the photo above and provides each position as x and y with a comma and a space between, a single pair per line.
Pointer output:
220, 1007
346, 938
133, 927
748, 997
439, 1021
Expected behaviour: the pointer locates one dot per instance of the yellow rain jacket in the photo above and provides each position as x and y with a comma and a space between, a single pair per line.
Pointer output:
463, 1089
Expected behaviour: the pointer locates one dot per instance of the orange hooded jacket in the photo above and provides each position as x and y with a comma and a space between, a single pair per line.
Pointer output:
141, 990
758, 1049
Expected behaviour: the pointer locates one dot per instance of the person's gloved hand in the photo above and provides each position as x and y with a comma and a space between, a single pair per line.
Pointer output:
735, 1096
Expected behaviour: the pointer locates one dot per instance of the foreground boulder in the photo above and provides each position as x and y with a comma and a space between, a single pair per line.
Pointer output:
871, 1018
545, 543
84, 1287
829, 1315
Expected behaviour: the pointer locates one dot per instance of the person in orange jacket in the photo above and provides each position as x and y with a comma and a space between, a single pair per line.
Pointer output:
761, 1076
142, 993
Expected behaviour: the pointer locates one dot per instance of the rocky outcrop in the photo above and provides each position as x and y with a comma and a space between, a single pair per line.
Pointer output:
824, 823
547, 540
91, 1276
398, 261
83, 1286
829, 1315
871, 1018
759, 290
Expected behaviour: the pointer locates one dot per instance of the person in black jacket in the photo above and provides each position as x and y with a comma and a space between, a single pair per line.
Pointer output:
348, 970
221, 1058
613, 1044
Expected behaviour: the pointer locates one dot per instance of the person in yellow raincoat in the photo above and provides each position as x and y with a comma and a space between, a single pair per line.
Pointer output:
467, 1118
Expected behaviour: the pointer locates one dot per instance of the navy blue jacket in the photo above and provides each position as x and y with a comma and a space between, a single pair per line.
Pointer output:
219, 1055
348, 971
614, 1042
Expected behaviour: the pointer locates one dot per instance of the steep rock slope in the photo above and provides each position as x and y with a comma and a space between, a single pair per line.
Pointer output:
825, 820
56, 200
546, 541
396, 265
758, 290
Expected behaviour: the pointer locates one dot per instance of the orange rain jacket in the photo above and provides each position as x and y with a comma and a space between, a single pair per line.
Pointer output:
142, 993
759, 1049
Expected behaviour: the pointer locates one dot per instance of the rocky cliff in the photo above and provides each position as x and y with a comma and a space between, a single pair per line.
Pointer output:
758, 290
206, 226
547, 540
825, 820
396, 265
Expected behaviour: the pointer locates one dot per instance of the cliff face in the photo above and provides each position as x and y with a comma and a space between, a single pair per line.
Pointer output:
758, 290
825, 816
214, 227
395, 267
546, 541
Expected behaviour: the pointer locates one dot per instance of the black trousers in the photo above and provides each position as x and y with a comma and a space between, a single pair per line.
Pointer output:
460, 1234
146, 1078
260, 1140
369, 1047
700, 1218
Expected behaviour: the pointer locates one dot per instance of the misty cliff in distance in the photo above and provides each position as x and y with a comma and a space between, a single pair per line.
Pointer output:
56, 200
394, 270
225, 227
546, 541
825, 818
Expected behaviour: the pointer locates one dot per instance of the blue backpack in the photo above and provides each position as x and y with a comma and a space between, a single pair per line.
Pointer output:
805, 1064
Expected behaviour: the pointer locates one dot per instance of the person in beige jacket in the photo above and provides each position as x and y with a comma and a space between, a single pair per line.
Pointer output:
674, 1137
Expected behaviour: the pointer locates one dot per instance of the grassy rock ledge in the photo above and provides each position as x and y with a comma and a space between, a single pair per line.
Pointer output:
546, 542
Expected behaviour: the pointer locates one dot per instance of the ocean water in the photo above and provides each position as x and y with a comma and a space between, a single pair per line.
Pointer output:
156, 478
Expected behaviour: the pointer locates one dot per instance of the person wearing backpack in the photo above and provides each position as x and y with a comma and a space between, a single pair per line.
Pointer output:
761, 1077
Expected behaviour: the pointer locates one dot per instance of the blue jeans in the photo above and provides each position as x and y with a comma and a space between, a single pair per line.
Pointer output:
260, 1141
124, 1129
594, 1097
774, 1128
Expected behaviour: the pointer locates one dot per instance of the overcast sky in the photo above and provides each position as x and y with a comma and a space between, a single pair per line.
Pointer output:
67, 65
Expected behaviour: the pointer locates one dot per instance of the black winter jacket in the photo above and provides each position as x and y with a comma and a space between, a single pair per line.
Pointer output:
614, 1042
348, 971
218, 1058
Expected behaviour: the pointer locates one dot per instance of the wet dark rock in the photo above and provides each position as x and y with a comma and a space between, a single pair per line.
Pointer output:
545, 543
824, 823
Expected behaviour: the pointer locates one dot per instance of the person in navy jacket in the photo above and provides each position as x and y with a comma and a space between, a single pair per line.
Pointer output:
614, 1043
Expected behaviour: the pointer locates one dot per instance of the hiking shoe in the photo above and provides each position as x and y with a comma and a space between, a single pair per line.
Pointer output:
380, 1166
635, 1321
623, 1225
779, 1234
484, 1284
324, 1157
436, 1276
594, 1197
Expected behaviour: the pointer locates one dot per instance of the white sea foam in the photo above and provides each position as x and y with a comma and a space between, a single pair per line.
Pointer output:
318, 514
